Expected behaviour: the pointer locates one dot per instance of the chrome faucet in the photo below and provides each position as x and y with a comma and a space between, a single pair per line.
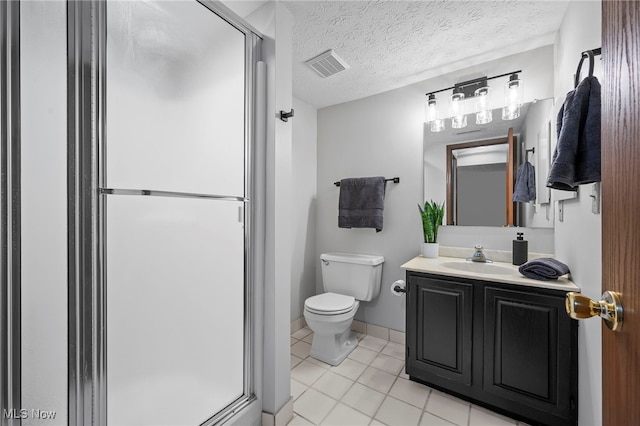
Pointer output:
479, 256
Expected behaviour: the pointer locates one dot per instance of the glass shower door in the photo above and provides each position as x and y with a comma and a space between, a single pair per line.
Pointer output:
175, 309
173, 206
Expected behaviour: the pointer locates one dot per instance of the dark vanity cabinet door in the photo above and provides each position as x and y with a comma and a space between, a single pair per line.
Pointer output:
439, 330
508, 347
530, 354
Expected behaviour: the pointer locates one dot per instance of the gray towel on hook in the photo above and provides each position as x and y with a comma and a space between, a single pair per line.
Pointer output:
525, 189
576, 159
361, 203
544, 269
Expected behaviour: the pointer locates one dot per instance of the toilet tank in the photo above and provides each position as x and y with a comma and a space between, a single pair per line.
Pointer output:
356, 275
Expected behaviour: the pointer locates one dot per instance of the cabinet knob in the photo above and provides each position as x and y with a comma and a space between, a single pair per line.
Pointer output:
609, 308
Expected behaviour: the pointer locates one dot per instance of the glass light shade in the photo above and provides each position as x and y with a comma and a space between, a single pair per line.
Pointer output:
484, 114
456, 110
512, 99
459, 121
437, 125
431, 110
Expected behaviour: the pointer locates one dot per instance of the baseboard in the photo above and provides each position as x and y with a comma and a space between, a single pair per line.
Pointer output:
297, 324
361, 327
281, 418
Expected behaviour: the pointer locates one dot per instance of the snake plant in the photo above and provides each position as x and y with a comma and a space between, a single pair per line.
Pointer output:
432, 215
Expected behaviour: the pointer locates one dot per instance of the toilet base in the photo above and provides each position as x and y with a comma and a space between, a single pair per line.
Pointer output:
333, 348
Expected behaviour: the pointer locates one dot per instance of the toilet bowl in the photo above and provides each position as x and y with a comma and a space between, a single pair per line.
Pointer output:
347, 279
331, 319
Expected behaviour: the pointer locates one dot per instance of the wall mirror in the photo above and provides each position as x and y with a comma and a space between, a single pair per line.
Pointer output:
474, 168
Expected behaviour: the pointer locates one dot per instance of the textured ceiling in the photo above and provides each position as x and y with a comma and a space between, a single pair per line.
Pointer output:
390, 44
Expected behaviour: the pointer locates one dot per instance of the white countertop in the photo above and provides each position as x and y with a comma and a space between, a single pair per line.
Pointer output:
510, 275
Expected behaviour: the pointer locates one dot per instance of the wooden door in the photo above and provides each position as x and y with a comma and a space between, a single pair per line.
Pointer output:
621, 207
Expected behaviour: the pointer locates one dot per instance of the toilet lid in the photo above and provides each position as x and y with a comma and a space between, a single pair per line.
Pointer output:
329, 303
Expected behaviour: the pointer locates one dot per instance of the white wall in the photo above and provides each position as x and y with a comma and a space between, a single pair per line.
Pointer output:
383, 135
376, 136
498, 238
44, 209
303, 204
579, 237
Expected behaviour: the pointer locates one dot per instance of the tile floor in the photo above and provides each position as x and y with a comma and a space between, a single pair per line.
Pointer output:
371, 388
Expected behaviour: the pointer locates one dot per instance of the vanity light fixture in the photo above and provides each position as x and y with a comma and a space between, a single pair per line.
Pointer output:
479, 90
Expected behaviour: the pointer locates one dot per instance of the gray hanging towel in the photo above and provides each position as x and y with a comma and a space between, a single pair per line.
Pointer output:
576, 160
361, 202
525, 189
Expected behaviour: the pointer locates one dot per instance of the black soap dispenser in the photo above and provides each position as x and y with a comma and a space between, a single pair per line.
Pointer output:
520, 250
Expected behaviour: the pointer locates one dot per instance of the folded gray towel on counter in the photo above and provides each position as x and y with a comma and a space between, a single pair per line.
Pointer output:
361, 203
544, 269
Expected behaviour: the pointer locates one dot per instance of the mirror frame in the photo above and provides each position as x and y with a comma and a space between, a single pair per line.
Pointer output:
510, 140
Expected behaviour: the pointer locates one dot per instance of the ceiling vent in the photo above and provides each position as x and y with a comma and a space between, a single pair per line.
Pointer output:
327, 64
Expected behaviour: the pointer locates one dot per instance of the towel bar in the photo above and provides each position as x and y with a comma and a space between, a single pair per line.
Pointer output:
395, 180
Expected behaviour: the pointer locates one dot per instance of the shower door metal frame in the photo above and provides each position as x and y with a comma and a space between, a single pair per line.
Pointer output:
87, 399
10, 247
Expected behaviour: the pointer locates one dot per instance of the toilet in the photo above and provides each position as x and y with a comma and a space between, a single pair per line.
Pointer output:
347, 279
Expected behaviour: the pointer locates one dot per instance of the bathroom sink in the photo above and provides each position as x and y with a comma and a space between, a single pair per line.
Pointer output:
482, 268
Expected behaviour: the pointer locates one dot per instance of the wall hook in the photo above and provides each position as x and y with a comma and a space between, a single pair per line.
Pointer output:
285, 116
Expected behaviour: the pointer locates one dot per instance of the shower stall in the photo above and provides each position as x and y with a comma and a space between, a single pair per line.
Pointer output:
149, 290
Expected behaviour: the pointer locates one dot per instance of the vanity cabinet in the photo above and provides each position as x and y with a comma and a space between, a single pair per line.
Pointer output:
511, 348
442, 312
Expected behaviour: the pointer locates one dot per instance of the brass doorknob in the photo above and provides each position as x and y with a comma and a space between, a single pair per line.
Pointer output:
609, 308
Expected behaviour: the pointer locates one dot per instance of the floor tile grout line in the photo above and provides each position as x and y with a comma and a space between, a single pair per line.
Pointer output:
445, 419
300, 415
362, 384
386, 394
378, 409
329, 412
354, 382
330, 396
440, 417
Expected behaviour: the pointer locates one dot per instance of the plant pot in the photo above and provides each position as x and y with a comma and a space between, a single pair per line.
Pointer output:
430, 250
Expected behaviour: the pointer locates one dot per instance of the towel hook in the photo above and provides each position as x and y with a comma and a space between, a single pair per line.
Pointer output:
285, 116
527, 151
586, 54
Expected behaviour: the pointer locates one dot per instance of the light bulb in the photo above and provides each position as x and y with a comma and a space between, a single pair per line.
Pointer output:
456, 108
437, 125
512, 98
431, 109
484, 114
